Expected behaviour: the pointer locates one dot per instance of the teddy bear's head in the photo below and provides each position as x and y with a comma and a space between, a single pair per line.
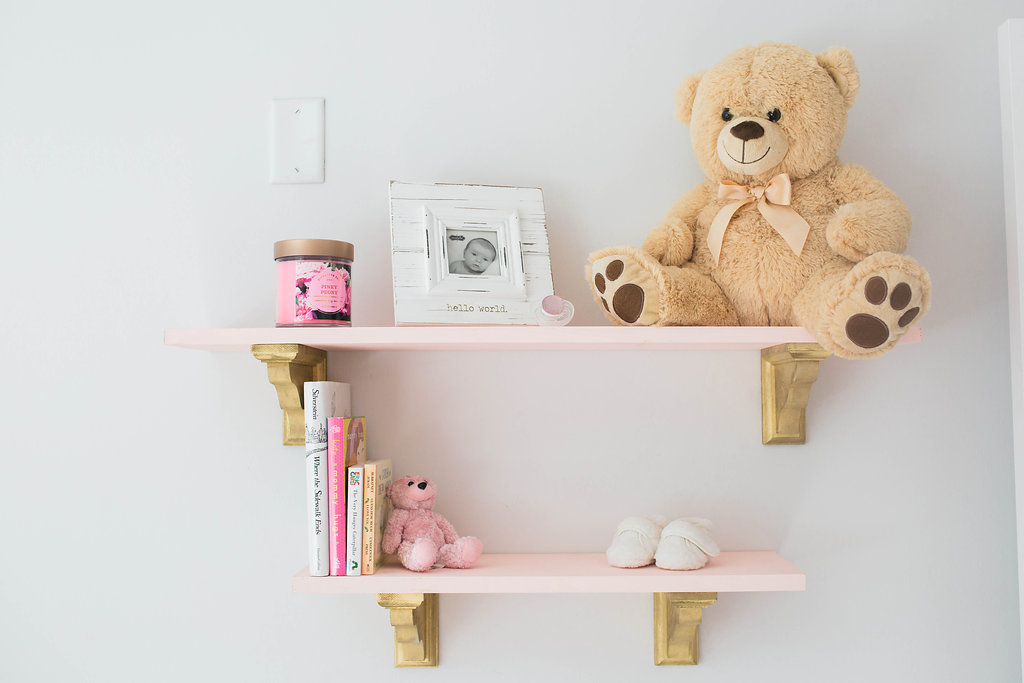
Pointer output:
769, 109
412, 493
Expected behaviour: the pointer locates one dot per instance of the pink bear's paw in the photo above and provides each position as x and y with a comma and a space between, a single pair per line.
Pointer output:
419, 555
461, 554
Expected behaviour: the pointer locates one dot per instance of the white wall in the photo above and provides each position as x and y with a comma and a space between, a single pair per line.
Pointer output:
151, 520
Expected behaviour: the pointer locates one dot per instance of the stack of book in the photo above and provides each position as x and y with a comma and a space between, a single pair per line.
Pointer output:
347, 508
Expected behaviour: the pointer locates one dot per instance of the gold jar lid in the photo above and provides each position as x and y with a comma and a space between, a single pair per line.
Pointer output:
329, 248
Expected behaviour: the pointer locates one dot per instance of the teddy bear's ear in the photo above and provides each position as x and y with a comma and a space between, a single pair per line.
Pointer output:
838, 62
685, 94
387, 491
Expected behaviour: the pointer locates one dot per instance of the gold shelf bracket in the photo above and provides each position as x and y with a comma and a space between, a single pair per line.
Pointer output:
288, 367
787, 373
677, 626
414, 616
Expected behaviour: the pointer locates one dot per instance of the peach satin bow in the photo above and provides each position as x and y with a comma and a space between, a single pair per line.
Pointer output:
772, 201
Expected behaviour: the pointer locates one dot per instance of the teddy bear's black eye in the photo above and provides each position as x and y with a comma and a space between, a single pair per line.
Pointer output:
410, 483
774, 114
726, 114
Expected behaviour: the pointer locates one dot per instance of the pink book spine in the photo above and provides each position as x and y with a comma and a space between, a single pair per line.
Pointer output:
336, 493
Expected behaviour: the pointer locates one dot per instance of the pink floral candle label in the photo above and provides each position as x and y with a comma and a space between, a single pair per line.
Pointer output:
320, 293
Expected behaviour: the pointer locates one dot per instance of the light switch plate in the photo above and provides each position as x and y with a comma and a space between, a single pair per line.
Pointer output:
297, 141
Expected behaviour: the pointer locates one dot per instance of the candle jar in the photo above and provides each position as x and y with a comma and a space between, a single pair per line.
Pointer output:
314, 282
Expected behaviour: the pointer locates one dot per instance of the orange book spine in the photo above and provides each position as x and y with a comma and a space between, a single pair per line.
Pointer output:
375, 509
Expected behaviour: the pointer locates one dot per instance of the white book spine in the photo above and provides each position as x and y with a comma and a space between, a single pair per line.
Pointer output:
321, 400
354, 522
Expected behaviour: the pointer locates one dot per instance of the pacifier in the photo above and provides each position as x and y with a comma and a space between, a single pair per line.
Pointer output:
554, 310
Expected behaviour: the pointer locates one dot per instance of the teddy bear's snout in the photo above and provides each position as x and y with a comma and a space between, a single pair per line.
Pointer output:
747, 130
752, 146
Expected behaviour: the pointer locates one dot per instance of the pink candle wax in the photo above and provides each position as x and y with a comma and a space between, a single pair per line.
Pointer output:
314, 282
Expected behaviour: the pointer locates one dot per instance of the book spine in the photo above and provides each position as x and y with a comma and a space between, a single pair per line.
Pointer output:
336, 484
321, 400
383, 509
354, 521
369, 516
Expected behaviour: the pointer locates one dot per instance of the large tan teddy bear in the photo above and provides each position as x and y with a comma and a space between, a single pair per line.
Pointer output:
781, 232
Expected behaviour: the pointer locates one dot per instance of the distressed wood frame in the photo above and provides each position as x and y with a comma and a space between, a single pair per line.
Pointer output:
427, 294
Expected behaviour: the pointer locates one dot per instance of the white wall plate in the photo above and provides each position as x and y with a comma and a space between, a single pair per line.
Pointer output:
297, 141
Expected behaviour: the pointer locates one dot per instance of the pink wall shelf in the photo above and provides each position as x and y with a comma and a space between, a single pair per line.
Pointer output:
789, 356
679, 596
568, 573
498, 338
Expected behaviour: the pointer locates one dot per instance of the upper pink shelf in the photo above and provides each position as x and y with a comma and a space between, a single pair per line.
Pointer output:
497, 338
568, 573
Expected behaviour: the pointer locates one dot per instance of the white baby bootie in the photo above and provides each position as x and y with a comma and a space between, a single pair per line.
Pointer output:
686, 544
635, 541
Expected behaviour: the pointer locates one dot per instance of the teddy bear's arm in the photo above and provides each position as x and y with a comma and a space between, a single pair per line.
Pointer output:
446, 528
671, 241
393, 531
873, 219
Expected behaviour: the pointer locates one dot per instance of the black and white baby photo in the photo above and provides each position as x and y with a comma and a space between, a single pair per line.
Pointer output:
473, 252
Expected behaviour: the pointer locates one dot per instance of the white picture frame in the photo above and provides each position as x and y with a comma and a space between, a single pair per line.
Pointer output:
468, 254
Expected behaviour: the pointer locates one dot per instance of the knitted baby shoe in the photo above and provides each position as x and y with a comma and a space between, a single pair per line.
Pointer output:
686, 544
635, 541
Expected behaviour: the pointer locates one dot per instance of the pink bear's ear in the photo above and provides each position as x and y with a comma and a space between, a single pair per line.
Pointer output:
387, 491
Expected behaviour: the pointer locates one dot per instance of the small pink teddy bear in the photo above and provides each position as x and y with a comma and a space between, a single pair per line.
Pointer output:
421, 536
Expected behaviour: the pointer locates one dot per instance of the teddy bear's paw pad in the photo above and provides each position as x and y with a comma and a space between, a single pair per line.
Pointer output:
471, 549
877, 313
418, 556
628, 292
461, 554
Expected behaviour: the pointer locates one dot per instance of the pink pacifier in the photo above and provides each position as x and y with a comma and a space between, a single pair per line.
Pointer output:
554, 310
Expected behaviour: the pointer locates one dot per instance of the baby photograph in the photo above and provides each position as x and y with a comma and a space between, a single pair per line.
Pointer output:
473, 252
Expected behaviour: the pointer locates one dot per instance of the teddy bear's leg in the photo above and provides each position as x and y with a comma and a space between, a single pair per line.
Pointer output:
861, 310
419, 555
635, 289
625, 281
461, 554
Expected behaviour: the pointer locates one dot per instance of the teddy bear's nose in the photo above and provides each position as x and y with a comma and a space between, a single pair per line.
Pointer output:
747, 130
422, 486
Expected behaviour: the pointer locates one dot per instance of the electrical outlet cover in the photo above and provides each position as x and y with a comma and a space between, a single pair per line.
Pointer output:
297, 141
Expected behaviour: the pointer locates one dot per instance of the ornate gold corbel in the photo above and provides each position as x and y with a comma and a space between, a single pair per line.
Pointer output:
787, 373
677, 626
288, 366
414, 616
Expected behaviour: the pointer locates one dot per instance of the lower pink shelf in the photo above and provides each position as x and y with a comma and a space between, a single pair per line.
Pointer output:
568, 573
